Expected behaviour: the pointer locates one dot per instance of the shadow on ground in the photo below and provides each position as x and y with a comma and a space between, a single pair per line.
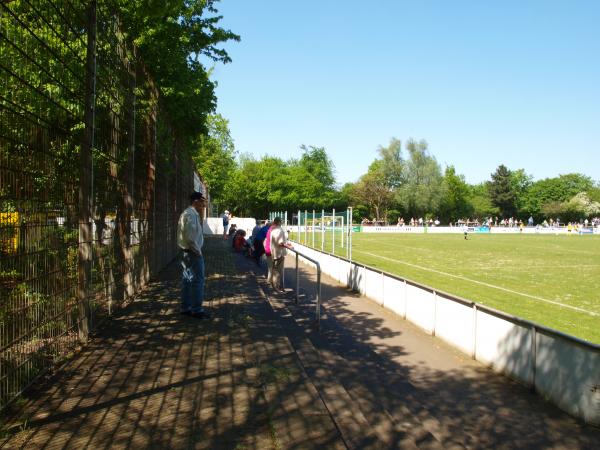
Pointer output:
260, 376
152, 378
402, 378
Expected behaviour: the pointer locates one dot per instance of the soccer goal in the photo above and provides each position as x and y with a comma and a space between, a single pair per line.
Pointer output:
324, 230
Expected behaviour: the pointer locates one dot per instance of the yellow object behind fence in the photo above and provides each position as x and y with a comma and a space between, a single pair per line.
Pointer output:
9, 232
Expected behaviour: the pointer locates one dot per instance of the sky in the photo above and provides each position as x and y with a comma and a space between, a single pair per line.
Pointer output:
483, 82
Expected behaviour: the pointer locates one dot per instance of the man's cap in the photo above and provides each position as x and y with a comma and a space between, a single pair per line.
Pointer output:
277, 220
196, 196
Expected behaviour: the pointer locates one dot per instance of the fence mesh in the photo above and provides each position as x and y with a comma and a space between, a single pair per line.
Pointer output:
78, 236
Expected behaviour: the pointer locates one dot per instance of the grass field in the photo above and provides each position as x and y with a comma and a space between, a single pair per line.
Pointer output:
551, 280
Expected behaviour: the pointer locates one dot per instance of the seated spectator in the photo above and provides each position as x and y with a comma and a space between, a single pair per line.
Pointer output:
232, 230
239, 242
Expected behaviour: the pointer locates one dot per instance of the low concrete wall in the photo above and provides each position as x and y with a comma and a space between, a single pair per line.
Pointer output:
563, 369
214, 225
477, 230
444, 229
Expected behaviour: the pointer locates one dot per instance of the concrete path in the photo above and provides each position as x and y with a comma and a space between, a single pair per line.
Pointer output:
407, 383
152, 378
260, 376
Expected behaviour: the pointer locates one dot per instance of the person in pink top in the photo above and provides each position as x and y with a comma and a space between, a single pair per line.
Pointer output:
278, 246
267, 245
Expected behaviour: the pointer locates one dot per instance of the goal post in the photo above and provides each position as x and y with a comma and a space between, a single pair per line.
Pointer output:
320, 229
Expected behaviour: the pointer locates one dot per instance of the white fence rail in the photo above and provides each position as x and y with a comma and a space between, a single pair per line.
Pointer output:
484, 230
214, 225
561, 368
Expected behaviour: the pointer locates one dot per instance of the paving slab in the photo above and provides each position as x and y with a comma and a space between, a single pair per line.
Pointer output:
152, 378
260, 375
410, 384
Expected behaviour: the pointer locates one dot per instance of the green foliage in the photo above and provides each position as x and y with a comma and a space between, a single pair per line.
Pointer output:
575, 209
215, 156
422, 190
454, 204
520, 182
393, 163
545, 198
172, 38
502, 191
259, 186
373, 190
312, 179
480, 201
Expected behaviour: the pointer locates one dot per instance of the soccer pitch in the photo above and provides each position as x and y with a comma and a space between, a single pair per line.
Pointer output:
551, 280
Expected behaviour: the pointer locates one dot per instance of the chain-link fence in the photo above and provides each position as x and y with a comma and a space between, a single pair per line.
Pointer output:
91, 180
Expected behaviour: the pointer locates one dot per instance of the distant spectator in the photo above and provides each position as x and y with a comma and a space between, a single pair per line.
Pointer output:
226, 216
232, 230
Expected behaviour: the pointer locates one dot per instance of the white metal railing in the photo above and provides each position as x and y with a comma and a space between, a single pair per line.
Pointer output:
561, 367
318, 294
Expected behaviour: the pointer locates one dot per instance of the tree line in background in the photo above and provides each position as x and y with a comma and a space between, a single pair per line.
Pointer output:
402, 182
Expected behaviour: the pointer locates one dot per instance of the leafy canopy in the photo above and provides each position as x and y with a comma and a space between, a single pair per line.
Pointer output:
172, 36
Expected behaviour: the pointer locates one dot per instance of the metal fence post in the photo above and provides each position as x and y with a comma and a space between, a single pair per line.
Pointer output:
318, 298
322, 230
350, 235
297, 279
533, 356
333, 233
313, 229
305, 227
84, 253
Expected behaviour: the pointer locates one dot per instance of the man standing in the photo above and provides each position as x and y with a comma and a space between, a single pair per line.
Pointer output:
226, 218
257, 242
279, 246
190, 240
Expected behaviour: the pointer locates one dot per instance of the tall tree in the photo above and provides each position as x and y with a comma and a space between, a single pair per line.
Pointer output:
521, 182
372, 190
455, 201
318, 165
502, 192
544, 197
215, 156
422, 190
392, 168
480, 201
311, 179
172, 38
258, 186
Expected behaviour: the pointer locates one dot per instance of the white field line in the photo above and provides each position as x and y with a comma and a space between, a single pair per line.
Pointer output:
534, 297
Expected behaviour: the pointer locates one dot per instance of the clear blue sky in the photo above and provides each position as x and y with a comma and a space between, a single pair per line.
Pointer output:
484, 82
